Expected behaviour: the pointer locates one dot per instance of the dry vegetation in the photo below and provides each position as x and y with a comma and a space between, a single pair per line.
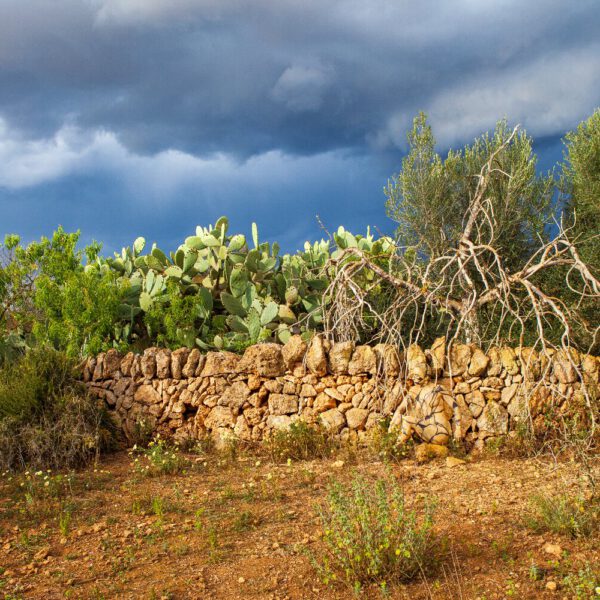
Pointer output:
238, 524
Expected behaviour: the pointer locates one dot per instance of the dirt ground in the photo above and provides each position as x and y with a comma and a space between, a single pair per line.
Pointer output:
243, 527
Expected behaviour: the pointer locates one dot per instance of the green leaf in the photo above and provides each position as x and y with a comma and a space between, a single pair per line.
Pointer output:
237, 242
238, 282
255, 234
189, 260
254, 326
232, 305
210, 241
174, 272
194, 242
160, 255
236, 324
145, 301
269, 313
154, 263
138, 245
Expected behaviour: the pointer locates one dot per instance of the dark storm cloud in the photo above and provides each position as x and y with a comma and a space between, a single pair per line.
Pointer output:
304, 77
127, 117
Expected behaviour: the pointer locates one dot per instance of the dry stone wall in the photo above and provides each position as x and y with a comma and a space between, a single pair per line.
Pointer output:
347, 388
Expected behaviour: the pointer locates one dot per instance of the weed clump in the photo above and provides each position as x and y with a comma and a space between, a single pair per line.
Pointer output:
564, 514
300, 442
371, 537
158, 458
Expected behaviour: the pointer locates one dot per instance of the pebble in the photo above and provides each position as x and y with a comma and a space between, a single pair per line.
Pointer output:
553, 549
551, 585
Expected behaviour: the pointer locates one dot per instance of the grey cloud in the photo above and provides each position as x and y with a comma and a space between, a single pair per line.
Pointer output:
303, 77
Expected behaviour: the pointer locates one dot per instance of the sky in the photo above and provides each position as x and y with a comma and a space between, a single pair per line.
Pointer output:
148, 117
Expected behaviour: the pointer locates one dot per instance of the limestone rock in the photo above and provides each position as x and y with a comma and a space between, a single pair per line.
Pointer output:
508, 393
178, 361
356, 418
460, 356
235, 395
452, 461
241, 429
333, 420
518, 408
316, 357
97, 375
363, 361
112, 363
509, 360
201, 363
388, 360
530, 364
293, 352
279, 422
220, 363
307, 391
437, 355
323, 402
146, 394
333, 392
283, 404
219, 416
163, 363
565, 363
339, 357
148, 362
495, 365
462, 418
253, 416
265, 360
427, 452
494, 419
416, 363
590, 367
126, 363
191, 364
476, 403
479, 363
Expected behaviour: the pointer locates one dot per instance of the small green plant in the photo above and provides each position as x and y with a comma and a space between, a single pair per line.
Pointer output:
41, 489
300, 442
212, 540
245, 521
585, 583
158, 458
369, 536
64, 519
383, 442
564, 514
158, 508
199, 518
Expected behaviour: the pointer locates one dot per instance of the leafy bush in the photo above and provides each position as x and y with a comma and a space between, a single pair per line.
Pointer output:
564, 514
300, 442
47, 419
371, 537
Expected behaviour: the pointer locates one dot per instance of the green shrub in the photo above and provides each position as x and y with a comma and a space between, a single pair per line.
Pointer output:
300, 442
370, 537
384, 442
564, 514
47, 419
585, 583
159, 458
